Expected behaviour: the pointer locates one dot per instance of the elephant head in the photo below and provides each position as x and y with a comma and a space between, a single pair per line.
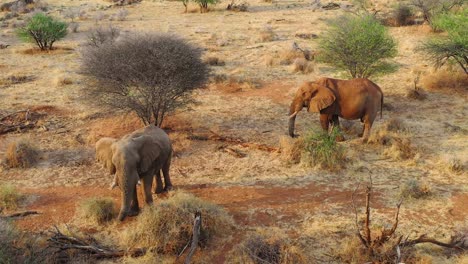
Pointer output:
313, 96
104, 153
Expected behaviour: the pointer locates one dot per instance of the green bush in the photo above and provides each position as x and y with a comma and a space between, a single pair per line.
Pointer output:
321, 149
43, 30
97, 210
452, 47
432, 8
359, 45
9, 196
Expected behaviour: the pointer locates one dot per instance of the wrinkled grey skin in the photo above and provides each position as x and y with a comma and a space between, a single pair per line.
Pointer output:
139, 155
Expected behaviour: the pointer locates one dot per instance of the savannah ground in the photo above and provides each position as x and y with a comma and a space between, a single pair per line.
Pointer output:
249, 108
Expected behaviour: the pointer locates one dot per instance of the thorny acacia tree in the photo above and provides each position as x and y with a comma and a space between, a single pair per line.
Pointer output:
151, 75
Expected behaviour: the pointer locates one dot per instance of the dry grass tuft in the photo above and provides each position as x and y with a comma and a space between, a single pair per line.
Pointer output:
267, 34
303, 66
16, 79
167, 228
453, 163
97, 210
268, 248
21, 154
291, 149
9, 197
214, 61
390, 135
63, 80
415, 94
445, 80
287, 57
414, 189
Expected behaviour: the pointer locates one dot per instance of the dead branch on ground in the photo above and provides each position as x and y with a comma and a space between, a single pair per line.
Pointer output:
21, 214
89, 246
372, 244
16, 122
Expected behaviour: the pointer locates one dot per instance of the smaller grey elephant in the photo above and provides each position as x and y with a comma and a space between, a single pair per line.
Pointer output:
139, 155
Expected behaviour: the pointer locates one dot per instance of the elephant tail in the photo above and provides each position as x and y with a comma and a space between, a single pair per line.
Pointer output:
381, 106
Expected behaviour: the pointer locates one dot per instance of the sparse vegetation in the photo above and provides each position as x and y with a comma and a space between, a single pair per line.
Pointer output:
268, 248
416, 189
21, 154
445, 80
453, 47
9, 197
204, 4
391, 135
267, 34
402, 15
214, 61
97, 210
8, 235
359, 45
151, 75
321, 149
167, 228
43, 30
99, 35
432, 8
303, 66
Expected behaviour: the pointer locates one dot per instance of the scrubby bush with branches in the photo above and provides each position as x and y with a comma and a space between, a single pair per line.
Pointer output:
359, 45
432, 8
204, 4
452, 47
151, 75
43, 30
102, 35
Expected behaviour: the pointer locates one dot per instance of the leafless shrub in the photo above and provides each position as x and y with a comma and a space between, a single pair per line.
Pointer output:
237, 7
414, 189
303, 66
73, 27
151, 75
21, 154
122, 14
99, 16
102, 35
72, 13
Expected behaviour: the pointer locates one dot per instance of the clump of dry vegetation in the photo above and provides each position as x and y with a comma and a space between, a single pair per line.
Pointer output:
21, 154
445, 80
9, 196
287, 57
321, 149
214, 61
390, 135
268, 248
303, 66
291, 149
267, 34
97, 210
8, 235
414, 189
167, 228
402, 15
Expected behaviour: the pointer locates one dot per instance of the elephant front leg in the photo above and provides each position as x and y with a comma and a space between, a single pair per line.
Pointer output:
159, 185
324, 122
336, 125
135, 208
147, 184
167, 179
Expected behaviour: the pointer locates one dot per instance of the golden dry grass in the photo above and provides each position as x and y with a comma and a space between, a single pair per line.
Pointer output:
97, 210
9, 196
167, 227
21, 154
445, 80
302, 65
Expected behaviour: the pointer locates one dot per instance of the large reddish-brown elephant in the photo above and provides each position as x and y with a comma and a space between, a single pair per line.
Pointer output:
333, 98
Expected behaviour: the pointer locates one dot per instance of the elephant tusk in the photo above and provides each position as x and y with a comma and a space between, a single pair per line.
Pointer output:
294, 114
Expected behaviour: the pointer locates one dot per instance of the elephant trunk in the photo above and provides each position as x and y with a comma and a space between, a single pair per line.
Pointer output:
295, 107
126, 200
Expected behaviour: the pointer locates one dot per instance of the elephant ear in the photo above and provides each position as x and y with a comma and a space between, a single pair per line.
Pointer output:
148, 150
322, 99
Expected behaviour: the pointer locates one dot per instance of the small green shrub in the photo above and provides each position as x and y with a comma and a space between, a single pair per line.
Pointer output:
9, 196
452, 47
359, 45
167, 227
321, 149
43, 30
97, 210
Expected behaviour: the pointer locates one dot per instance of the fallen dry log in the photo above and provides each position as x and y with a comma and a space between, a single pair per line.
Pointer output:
21, 214
89, 246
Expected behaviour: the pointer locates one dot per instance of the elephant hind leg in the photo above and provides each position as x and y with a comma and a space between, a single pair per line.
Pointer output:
368, 121
167, 179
